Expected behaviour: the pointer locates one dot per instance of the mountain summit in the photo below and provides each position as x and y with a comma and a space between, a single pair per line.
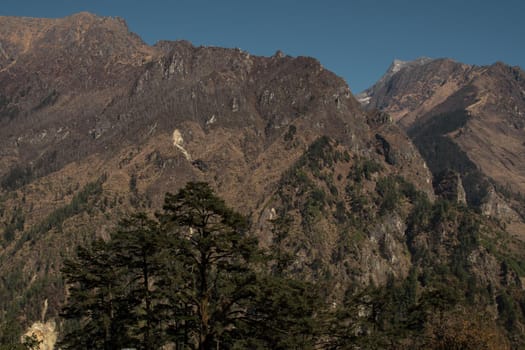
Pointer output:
365, 96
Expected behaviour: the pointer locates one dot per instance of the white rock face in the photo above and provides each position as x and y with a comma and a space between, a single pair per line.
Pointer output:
363, 99
273, 214
397, 65
45, 333
235, 105
178, 141
211, 120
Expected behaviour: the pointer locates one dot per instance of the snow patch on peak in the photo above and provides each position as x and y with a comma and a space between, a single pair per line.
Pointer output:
397, 65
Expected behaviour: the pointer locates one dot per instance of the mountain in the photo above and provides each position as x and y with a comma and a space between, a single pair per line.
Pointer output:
464, 118
365, 96
95, 124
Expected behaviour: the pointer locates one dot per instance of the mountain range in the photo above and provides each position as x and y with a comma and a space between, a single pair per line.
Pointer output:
464, 118
96, 124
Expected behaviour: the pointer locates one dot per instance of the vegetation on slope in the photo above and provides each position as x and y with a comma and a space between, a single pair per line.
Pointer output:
417, 274
433, 142
359, 258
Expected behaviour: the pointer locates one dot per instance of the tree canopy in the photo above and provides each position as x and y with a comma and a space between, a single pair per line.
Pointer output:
192, 277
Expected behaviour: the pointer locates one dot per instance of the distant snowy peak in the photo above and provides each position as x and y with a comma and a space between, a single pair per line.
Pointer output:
397, 65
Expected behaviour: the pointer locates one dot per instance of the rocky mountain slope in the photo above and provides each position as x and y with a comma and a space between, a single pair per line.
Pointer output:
95, 124
87, 106
467, 119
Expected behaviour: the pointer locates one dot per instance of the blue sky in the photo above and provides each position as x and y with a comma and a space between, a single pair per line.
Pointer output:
357, 39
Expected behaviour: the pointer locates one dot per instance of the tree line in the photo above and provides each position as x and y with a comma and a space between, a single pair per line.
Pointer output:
193, 277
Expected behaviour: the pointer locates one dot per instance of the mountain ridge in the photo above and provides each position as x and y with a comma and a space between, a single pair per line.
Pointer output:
492, 99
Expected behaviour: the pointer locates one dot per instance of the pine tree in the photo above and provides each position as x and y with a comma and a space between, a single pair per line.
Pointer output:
136, 245
194, 279
94, 307
284, 312
280, 316
215, 257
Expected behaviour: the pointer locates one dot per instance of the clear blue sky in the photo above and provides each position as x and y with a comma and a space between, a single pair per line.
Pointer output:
357, 39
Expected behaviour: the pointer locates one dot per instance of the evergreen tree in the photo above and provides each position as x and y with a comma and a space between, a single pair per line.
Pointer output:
10, 334
194, 279
136, 245
281, 316
215, 256
284, 312
95, 300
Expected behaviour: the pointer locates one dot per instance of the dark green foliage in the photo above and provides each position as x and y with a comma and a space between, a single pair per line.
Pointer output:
364, 169
24, 294
290, 133
312, 180
16, 223
283, 312
340, 212
114, 293
443, 239
460, 243
441, 153
418, 220
391, 190
20, 176
12, 283
135, 244
514, 264
320, 154
10, 334
390, 195
195, 278
313, 207
7, 108
358, 203
49, 100
133, 183
508, 311
31, 342
78, 204
281, 316
19, 292
215, 254
392, 317
97, 300
16, 178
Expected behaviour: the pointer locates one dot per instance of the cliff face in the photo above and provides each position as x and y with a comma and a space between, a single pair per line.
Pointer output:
95, 124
